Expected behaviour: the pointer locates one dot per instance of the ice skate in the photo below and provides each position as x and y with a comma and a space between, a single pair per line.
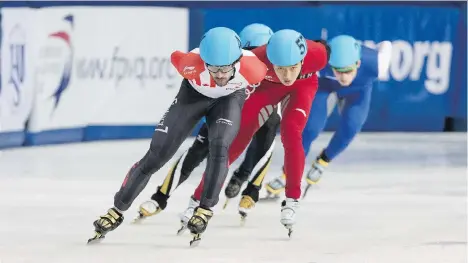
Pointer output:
154, 206
248, 201
245, 205
187, 214
198, 223
289, 208
147, 209
105, 224
274, 188
233, 188
314, 174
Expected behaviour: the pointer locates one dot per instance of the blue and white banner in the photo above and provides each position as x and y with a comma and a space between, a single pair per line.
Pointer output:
17, 63
413, 95
73, 73
416, 94
106, 67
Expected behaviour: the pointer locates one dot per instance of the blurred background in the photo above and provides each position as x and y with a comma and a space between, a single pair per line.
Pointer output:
76, 71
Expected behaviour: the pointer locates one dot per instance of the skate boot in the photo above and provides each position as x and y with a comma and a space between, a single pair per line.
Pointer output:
315, 173
289, 208
154, 206
105, 224
187, 214
198, 223
274, 188
233, 188
248, 200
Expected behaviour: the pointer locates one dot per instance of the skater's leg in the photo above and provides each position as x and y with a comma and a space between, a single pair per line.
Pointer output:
223, 121
171, 131
187, 163
265, 143
354, 111
178, 173
260, 147
196, 154
257, 158
354, 115
177, 123
250, 122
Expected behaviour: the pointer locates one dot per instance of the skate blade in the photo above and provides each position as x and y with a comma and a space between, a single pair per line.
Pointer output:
243, 218
196, 240
181, 229
290, 230
226, 203
306, 190
138, 219
96, 239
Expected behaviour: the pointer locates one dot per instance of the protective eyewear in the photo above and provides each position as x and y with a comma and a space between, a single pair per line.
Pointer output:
346, 69
223, 69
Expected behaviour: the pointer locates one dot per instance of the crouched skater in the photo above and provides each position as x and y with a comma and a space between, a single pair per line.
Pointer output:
215, 77
252, 36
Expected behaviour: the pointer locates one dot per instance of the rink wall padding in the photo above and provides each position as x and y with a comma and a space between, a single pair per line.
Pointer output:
90, 133
11, 139
94, 133
55, 136
94, 72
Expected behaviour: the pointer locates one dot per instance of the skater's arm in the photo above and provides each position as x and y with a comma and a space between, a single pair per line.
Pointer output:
294, 119
189, 65
353, 118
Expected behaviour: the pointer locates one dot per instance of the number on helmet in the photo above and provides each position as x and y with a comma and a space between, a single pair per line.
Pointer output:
301, 44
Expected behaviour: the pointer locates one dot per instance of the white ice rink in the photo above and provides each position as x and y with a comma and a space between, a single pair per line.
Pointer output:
391, 198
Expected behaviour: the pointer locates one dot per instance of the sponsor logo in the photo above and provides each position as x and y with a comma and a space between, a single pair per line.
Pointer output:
17, 67
224, 121
56, 58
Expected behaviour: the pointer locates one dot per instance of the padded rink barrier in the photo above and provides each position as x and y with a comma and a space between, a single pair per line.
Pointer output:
11, 139
96, 133
118, 87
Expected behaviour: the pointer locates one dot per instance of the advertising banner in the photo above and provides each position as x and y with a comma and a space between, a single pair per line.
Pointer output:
17, 76
415, 93
106, 67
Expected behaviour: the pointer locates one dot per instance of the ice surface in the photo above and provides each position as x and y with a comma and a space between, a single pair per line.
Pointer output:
389, 198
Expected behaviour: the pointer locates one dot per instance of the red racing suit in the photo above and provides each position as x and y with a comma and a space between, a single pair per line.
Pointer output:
296, 101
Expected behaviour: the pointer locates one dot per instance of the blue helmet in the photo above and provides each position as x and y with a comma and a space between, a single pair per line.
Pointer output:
286, 48
220, 46
255, 35
345, 51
